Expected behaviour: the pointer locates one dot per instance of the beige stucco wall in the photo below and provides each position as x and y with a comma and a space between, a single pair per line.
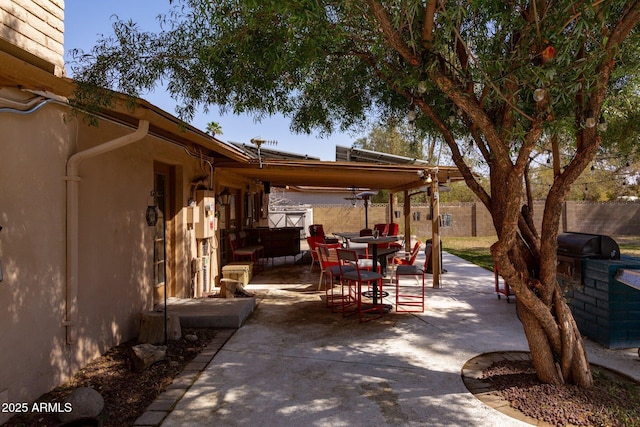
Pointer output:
115, 244
34, 28
32, 194
115, 274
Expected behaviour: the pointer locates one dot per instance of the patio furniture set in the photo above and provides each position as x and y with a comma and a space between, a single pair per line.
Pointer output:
353, 274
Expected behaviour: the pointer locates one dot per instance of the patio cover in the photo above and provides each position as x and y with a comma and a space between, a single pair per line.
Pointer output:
315, 173
392, 177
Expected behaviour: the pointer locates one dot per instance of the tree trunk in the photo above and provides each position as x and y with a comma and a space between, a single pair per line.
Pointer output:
555, 343
525, 258
529, 267
556, 347
539, 346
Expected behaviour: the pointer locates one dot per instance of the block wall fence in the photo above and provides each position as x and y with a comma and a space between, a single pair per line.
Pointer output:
473, 219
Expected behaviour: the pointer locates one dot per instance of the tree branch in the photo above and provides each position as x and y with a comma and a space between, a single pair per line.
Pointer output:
457, 157
475, 112
427, 27
394, 39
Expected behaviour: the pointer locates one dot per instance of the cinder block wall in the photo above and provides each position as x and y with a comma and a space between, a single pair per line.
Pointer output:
473, 219
467, 219
613, 218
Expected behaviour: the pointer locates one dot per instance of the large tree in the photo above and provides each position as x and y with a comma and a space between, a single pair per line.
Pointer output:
504, 78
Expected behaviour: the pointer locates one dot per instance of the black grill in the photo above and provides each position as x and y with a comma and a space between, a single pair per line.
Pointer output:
574, 248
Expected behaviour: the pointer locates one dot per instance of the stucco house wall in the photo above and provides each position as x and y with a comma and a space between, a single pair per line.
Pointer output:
32, 250
115, 275
58, 317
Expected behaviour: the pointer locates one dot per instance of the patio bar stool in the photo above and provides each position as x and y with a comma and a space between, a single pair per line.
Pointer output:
357, 279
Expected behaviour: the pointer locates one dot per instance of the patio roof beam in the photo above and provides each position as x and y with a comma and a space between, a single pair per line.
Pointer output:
394, 178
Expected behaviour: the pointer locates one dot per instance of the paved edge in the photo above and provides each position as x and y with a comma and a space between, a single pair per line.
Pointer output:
167, 400
483, 391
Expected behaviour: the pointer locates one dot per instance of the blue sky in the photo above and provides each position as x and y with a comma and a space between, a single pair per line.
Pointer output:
86, 20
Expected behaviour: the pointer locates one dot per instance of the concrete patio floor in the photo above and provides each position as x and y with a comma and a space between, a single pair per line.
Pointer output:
293, 362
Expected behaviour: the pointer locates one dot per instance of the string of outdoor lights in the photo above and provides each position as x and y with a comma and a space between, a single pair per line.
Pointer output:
613, 177
539, 95
592, 169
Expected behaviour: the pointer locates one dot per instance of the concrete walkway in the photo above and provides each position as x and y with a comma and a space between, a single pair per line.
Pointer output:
295, 363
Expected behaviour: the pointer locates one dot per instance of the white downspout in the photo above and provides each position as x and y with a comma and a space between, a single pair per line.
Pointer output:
72, 178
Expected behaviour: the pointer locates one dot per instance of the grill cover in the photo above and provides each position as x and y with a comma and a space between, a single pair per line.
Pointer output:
583, 245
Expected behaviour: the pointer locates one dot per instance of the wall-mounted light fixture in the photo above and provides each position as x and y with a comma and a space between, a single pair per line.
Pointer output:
151, 215
224, 197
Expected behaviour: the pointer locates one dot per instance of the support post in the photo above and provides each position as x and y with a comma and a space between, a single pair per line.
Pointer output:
435, 232
407, 221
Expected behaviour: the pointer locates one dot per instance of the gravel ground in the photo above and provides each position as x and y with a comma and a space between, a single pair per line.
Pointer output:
614, 400
126, 393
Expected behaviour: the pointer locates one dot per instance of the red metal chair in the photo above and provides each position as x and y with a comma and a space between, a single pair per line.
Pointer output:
243, 241
410, 298
313, 241
317, 230
394, 229
383, 229
330, 266
398, 260
357, 279
365, 260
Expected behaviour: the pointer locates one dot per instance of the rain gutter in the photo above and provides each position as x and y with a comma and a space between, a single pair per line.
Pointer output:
72, 178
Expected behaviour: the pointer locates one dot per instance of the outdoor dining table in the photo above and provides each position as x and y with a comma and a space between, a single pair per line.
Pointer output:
374, 242
346, 235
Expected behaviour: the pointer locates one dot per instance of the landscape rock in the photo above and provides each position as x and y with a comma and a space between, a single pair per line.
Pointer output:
152, 325
144, 355
85, 402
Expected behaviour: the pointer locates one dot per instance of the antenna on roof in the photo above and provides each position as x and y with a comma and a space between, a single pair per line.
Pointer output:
257, 141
